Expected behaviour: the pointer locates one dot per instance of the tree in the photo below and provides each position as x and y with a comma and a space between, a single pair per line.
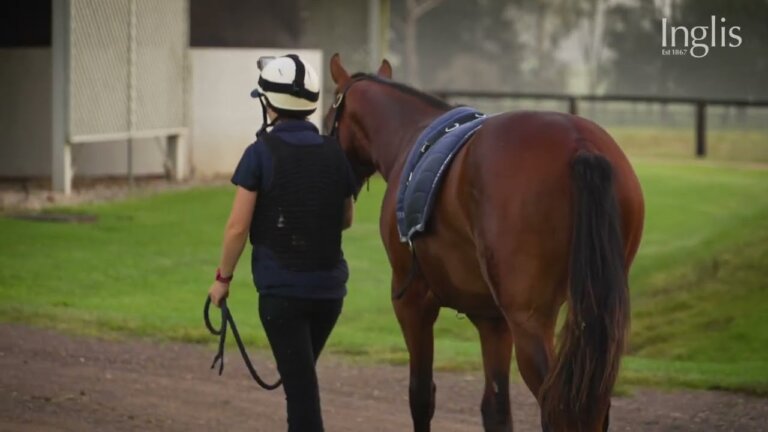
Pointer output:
594, 42
414, 11
541, 27
725, 71
634, 37
487, 44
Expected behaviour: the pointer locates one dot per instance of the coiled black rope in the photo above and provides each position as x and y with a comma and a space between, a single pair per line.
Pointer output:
228, 320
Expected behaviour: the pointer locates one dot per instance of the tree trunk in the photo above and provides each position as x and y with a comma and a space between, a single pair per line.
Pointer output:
411, 49
414, 10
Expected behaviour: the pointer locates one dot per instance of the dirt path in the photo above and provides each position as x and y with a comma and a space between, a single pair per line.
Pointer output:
54, 382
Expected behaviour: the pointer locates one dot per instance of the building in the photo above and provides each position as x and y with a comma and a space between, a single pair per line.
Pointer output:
142, 87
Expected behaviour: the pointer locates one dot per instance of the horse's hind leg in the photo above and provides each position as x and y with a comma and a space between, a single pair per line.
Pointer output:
529, 301
496, 342
417, 314
527, 278
534, 350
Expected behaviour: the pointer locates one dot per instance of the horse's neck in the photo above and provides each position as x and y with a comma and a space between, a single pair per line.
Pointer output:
392, 127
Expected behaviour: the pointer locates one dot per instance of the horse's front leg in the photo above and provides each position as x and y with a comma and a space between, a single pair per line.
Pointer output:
416, 312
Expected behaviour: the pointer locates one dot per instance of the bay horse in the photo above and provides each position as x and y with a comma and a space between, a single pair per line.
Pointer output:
538, 208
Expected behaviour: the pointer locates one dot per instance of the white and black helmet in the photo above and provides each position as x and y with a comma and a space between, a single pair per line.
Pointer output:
288, 84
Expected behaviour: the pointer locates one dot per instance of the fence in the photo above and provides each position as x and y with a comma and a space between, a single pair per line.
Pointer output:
119, 75
573, 104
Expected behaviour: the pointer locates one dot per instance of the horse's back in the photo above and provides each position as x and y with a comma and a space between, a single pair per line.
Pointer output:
504, 214
521, 165
537, 149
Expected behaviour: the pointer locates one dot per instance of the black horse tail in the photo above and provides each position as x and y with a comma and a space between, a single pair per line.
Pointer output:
576, 393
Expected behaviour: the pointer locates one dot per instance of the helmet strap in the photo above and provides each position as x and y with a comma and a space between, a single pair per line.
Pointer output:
264, 123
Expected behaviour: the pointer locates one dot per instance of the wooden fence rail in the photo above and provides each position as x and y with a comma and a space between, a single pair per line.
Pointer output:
699, 105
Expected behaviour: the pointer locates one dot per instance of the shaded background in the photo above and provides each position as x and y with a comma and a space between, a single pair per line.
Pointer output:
562, 47
593, 46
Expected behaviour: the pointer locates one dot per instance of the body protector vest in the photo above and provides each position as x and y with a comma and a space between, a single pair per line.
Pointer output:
299, 216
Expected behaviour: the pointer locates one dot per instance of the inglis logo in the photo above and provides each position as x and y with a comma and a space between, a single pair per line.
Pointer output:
698, 40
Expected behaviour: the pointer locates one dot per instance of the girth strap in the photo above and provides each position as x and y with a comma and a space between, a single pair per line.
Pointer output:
411, 275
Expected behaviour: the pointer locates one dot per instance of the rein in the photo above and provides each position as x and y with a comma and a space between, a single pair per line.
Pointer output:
228, 320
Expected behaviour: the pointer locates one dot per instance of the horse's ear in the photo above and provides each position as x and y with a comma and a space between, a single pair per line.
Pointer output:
338, 73
385, 70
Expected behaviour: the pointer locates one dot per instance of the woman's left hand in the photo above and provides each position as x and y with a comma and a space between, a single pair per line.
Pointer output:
218, 292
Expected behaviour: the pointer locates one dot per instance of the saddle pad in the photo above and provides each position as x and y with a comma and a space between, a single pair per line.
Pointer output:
427, 162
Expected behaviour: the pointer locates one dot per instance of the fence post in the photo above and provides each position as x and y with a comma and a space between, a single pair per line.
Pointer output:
176, 154
61, 152
573, 106
701, 129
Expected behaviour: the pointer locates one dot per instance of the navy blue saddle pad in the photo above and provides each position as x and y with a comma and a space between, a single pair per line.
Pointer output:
427, 162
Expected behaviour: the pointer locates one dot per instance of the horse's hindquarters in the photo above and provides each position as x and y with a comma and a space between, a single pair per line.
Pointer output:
531, 172
521, 197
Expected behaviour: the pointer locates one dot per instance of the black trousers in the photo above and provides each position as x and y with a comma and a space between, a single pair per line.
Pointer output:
297, 329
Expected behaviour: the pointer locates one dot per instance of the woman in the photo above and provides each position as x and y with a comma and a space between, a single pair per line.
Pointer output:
294, 197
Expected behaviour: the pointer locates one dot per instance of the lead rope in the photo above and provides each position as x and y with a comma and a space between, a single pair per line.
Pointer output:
228, 320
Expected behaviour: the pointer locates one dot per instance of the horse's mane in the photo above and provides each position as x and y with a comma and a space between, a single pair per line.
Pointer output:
431, 100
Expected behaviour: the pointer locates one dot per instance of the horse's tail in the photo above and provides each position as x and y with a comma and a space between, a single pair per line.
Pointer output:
577, 391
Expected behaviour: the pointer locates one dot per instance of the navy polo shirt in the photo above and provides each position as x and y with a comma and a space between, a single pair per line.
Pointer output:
254, 172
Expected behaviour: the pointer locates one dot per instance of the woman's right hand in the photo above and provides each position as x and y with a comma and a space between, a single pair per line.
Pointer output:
218, 292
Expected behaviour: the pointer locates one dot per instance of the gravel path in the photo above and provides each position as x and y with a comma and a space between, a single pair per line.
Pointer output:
56, 382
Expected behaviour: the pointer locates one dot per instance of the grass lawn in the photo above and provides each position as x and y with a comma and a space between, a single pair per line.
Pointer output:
750, 145
699, 286
645, 130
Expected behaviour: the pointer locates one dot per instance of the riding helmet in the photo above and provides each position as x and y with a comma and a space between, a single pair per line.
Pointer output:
289, 84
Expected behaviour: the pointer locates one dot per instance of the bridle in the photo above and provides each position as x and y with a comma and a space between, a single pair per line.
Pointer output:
338, 107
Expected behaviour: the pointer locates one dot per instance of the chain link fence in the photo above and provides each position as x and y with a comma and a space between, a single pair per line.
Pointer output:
127, 72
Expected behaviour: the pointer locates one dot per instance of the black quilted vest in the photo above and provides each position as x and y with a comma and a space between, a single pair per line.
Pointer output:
299, 216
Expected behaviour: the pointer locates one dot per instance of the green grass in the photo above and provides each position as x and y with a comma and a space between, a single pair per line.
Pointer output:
699, 285
679, 142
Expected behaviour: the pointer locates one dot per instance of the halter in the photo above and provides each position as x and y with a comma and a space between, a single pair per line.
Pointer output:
338, 106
